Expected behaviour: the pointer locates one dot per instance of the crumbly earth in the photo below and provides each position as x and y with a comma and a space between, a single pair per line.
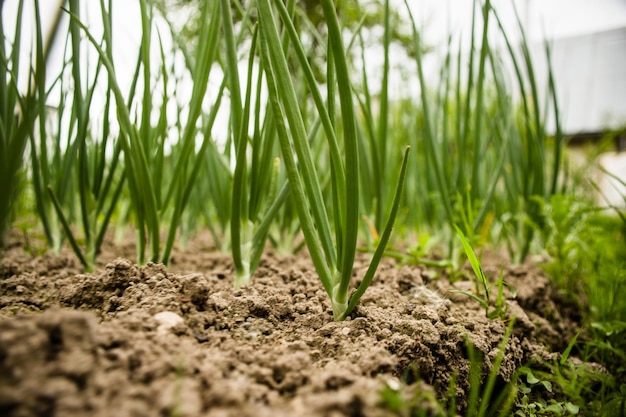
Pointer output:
131, 340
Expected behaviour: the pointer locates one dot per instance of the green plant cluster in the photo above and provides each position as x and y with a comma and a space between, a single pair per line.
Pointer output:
315, 153
303, 161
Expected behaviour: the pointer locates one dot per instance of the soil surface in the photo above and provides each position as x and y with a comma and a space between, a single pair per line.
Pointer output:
152, 340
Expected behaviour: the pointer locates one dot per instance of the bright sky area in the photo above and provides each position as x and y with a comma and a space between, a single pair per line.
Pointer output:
549, 18
543, 19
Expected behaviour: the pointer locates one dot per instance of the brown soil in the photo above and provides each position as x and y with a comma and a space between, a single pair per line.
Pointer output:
133, 340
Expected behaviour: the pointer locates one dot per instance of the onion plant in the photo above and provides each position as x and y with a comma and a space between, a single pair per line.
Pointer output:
159, 197
217, 159
332, 254
482, 158
18, 110
536, 175
218, 192
255, 195
379, 140
72, 177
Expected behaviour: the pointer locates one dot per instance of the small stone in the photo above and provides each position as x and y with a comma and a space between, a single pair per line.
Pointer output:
167, 320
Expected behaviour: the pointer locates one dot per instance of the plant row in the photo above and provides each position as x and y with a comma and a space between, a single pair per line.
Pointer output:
312, 150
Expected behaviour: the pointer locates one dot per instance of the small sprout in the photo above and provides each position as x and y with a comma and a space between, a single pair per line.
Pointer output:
499, 309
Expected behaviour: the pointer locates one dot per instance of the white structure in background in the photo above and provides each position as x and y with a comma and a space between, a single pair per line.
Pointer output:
589, 66
588, 45
590, 71
588, 40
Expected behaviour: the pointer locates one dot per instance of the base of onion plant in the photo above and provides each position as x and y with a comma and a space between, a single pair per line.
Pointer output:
159, 197
341, 313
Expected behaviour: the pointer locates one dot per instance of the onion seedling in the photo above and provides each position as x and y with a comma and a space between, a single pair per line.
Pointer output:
255, 196
80, 176
154, 199
333, 257
481, 156
18, 112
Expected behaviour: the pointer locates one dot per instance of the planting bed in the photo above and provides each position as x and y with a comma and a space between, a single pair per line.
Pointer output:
133, 340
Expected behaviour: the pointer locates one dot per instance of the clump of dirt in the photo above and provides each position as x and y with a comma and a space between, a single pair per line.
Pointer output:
133, 340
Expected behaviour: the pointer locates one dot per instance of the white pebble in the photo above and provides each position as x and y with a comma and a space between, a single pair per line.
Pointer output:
167, 320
